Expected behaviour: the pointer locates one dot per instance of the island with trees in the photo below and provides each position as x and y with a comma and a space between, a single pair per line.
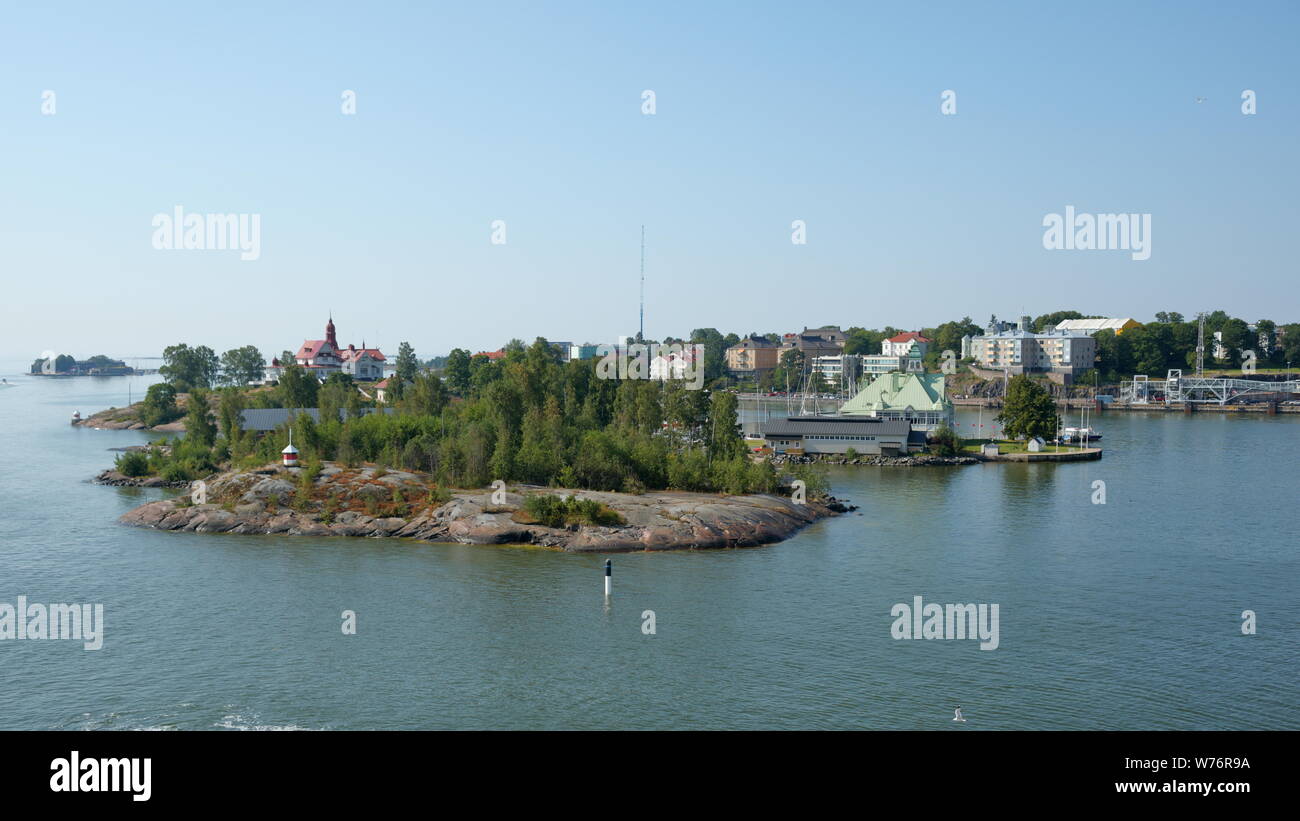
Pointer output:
525, 448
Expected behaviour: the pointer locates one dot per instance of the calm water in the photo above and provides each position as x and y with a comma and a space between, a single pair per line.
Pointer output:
1117, 616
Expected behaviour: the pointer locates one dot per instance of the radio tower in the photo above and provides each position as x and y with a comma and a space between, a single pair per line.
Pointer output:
1200, 344
641, 333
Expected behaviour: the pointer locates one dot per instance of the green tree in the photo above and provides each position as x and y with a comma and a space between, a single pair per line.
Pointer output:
187, 367
199, 429
229, 408
944, 441
458, 371
297, 387
407, 367
1028, 410
724, 441
715, 350
159, 405
240, 366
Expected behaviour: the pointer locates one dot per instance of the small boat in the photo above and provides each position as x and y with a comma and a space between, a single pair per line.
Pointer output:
1079, 435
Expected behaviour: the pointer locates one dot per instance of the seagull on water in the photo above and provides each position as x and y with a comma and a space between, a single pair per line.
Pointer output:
957, 716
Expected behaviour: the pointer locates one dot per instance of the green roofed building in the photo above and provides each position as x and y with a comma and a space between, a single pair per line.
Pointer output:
919, 398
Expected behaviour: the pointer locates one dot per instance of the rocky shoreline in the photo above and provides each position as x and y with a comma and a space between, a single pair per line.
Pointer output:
127, 418
114, 478
367, 502
913, 460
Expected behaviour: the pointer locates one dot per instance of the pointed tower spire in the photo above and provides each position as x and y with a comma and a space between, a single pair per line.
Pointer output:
329, 333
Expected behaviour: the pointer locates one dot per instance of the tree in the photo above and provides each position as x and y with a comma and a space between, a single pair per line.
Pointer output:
229, 408
860, 341
240, 366
944, 441
407, 367
715, 349
187, 367
297, 387
1236, 338
1048, 321
159, 405
1290, 352
789, 370
724, 440
425, 396
1028, 410
198, 426
457, 372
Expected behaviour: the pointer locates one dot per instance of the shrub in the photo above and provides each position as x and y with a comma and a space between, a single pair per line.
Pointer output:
944, 442
132, 463
552, 511
438, 496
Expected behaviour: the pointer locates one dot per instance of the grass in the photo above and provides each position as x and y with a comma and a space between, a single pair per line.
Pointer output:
1005, 446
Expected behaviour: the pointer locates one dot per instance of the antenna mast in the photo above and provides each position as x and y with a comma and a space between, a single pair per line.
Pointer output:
641, 332
1200, 345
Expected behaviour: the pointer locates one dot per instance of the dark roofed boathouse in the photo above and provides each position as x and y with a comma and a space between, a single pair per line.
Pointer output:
836, 434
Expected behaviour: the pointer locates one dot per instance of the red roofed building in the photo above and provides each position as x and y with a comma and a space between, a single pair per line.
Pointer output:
325, 356
492, 355
902, 344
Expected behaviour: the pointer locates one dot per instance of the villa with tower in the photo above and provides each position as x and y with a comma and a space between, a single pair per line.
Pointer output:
325, 356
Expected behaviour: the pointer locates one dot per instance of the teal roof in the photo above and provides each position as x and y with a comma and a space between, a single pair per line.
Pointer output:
895, 391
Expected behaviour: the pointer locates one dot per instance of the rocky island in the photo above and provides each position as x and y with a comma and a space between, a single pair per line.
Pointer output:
374, 502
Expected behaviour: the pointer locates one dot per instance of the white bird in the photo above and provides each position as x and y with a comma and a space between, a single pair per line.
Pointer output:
1200, 99
957, 715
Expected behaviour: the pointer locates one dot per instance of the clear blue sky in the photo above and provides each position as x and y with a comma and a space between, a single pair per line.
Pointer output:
531, 113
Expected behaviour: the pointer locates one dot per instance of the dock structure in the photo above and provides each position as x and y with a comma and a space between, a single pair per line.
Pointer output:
1176, 388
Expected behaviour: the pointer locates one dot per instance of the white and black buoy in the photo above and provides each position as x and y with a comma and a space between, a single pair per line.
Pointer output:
290, 453
609, 571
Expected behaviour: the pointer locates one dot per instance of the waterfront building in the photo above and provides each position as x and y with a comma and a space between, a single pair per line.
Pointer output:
1063, 354
837, 434
921, 399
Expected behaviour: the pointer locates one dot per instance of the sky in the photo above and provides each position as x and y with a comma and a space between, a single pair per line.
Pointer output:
532, 114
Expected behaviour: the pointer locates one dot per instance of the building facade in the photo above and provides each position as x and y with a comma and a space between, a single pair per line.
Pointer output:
903, 343
753, 356
920, 399
837, 434
1067, 353
815, 342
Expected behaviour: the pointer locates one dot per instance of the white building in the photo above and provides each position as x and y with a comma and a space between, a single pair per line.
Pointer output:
1068, 353
902, 344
